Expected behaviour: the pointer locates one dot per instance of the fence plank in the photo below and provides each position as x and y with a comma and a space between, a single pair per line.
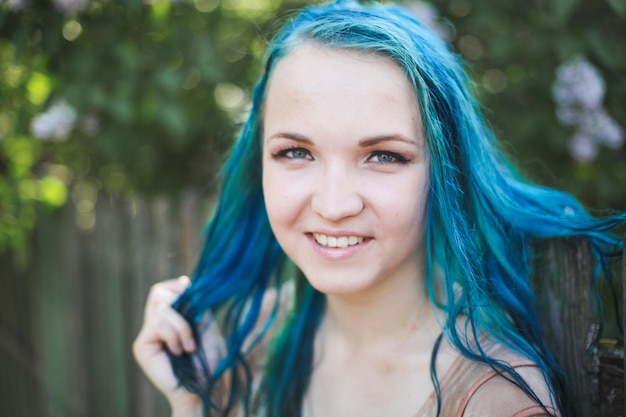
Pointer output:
20, 376
72, 246
138, 265
563, 286
91, 289
623, 329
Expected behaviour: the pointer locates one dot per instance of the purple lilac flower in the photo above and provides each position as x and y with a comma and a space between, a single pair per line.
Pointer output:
599, 125
579, 84
583, 148
578, 91
56, 123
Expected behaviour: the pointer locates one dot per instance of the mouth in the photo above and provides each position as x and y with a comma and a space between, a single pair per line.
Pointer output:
337, 241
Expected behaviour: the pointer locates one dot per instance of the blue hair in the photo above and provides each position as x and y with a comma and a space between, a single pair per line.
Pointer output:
484, 225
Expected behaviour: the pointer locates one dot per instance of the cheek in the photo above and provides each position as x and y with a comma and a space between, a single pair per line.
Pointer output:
282, 197
405, 206
272, 195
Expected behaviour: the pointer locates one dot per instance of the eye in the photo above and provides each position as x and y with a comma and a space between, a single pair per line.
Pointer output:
298, 153
294, 153
384, 157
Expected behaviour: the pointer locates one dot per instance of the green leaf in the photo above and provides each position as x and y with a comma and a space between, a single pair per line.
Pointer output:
160, 10
38, 87
175, 122
53, 191
149, 107
607, 49
168, 81
22, 153
619, 6
122, 109
564, 8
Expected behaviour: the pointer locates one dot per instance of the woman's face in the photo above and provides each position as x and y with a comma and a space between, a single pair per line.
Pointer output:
345, 168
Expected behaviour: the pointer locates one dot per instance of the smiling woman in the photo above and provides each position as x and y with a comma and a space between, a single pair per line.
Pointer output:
366, 179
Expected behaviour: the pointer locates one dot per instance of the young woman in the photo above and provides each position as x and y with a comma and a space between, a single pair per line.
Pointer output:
372, 249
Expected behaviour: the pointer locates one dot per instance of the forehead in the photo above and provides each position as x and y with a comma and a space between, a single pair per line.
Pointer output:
314, 64
341, 86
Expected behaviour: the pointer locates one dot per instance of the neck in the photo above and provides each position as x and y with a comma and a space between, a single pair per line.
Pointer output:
397, 315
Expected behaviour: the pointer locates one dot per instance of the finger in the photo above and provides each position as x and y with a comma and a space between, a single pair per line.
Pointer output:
177, 285
147, 345
184, 280
183, 329
163, 294
169, 336
165, 325
157, 333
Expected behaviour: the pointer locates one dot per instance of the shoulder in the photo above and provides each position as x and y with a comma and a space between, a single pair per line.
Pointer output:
496, 396
477, 390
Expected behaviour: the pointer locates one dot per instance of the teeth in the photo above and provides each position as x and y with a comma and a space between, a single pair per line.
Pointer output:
337, 242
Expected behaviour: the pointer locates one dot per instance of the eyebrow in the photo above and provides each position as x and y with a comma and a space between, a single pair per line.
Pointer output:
364, 143
293, 136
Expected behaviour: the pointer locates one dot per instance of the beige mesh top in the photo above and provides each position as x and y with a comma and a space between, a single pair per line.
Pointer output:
471, 389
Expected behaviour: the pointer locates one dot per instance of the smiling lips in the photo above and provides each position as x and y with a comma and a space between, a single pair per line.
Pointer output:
337, 241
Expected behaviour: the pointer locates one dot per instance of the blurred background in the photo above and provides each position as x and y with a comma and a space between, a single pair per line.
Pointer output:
116, 116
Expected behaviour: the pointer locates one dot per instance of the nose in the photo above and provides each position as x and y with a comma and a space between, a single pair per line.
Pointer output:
336, 196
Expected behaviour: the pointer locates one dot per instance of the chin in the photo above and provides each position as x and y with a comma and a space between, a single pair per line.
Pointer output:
337, 284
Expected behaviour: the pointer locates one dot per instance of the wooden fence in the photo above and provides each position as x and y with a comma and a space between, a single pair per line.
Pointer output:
67, 323
562, 283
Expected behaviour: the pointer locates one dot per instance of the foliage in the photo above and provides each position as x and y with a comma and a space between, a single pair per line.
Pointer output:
119, 96
101, 96
514, 50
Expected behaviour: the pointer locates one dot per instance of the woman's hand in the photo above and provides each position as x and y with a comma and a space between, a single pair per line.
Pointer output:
164, 327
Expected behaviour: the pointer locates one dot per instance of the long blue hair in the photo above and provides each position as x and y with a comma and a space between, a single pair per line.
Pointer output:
484, 222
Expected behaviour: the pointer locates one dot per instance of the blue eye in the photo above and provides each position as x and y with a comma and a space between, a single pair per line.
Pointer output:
293, 153
297, 153
383, 157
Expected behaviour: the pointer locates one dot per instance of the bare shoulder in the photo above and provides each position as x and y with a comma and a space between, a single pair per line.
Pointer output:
497, 396
494, 395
